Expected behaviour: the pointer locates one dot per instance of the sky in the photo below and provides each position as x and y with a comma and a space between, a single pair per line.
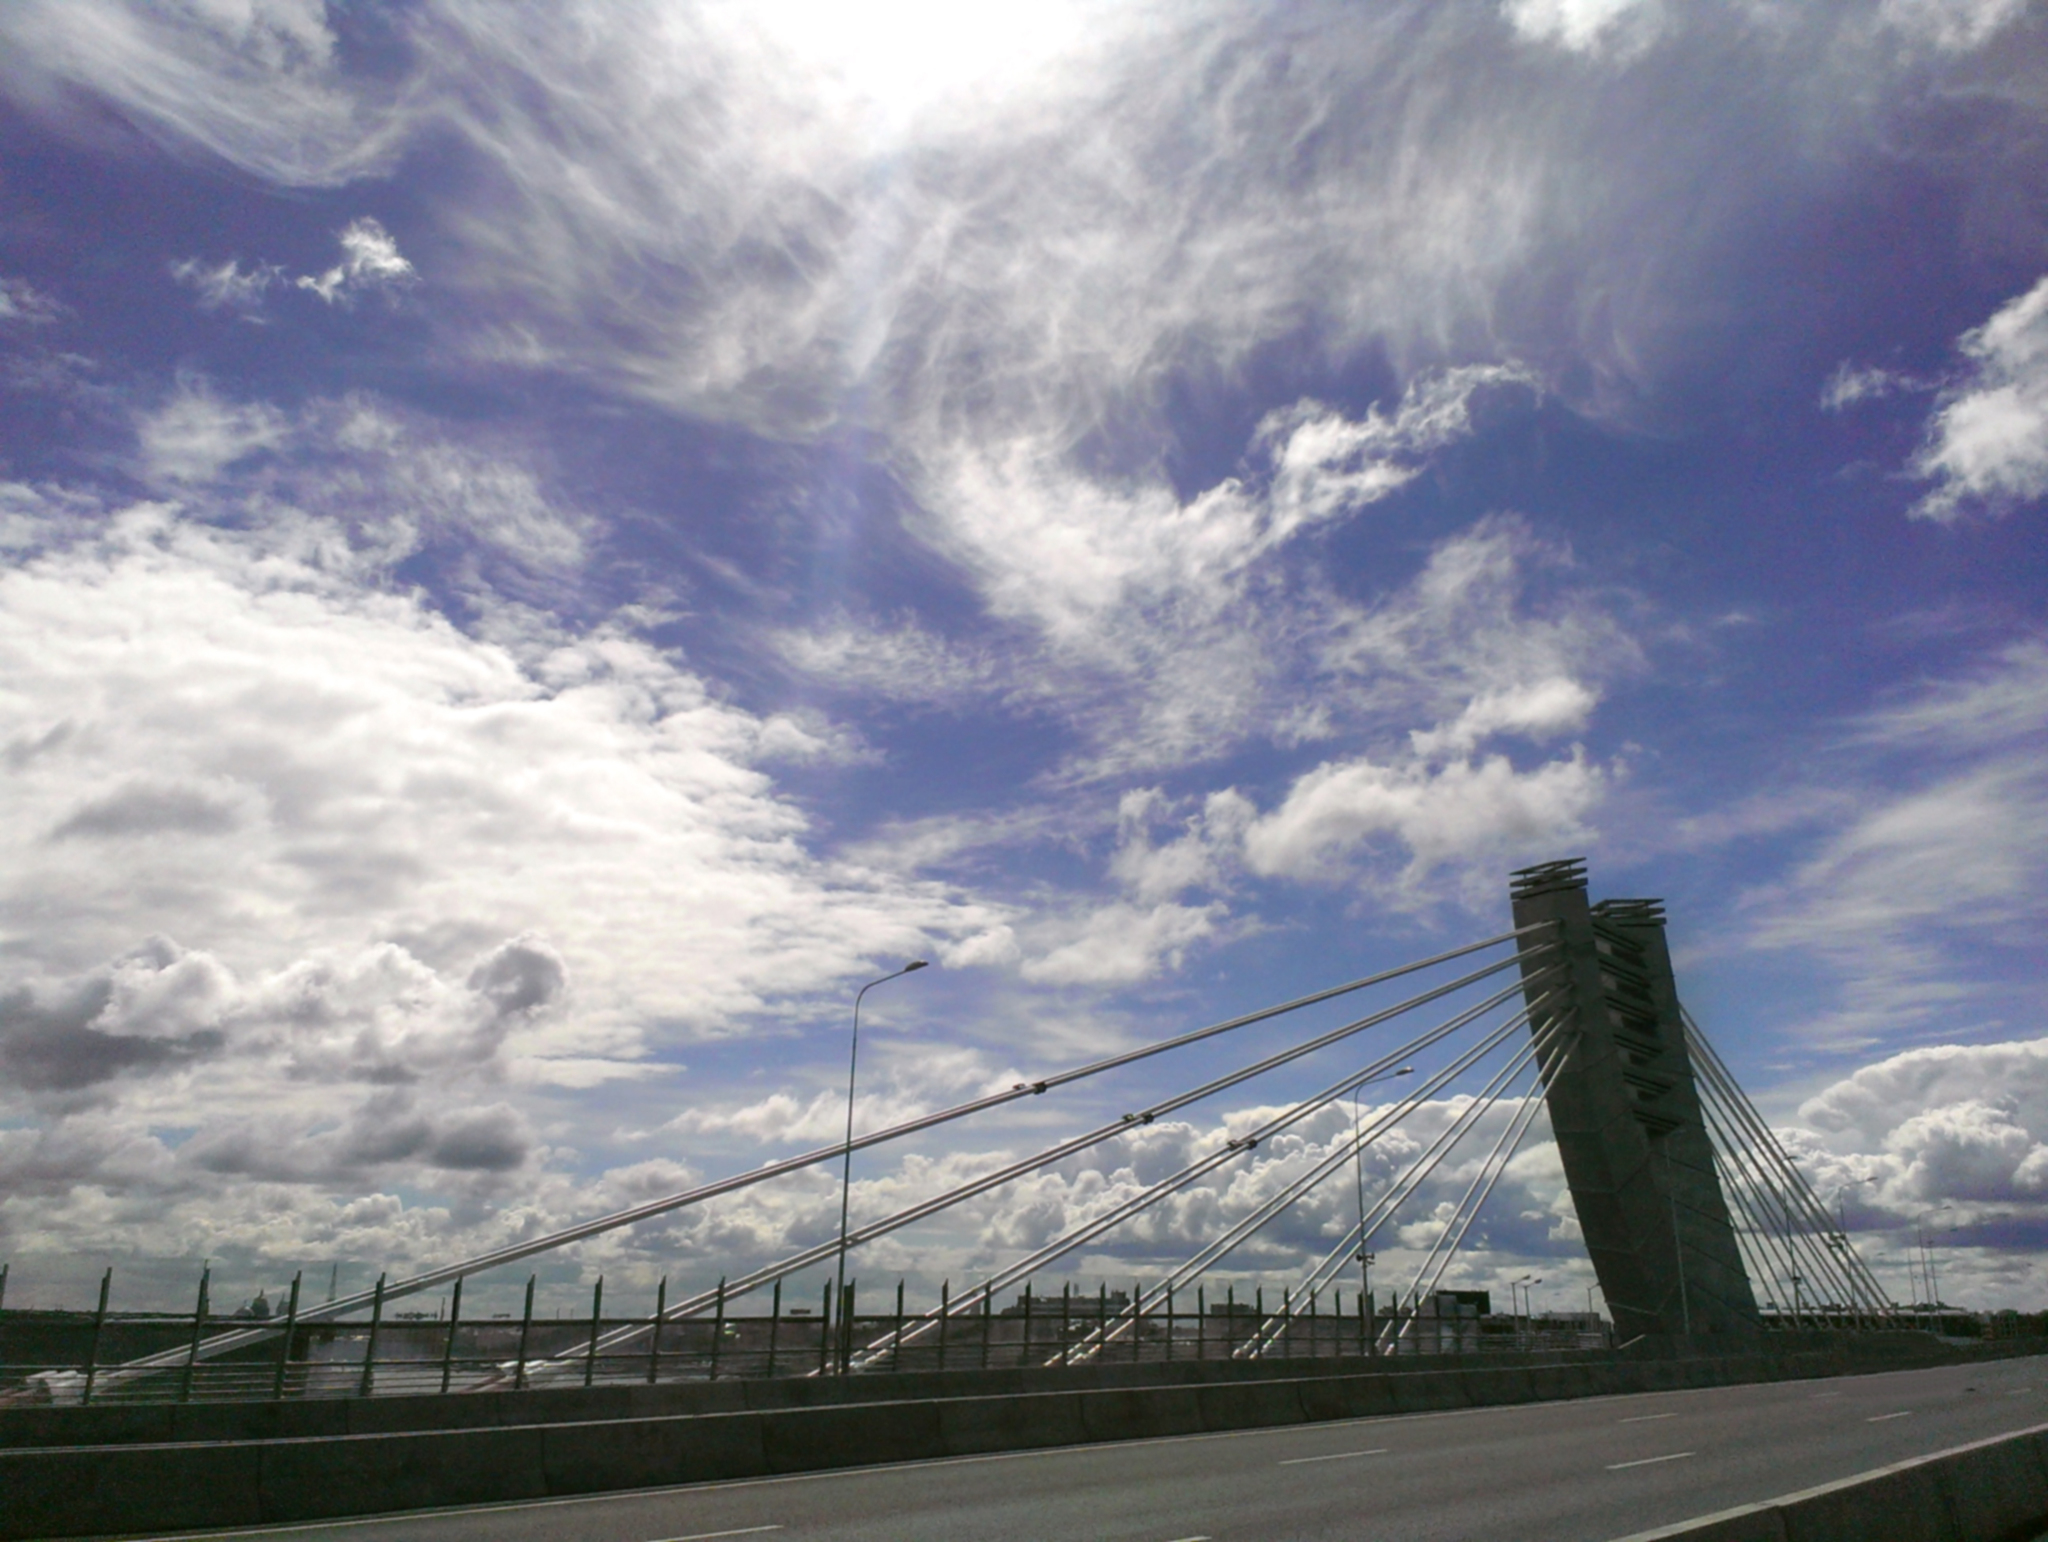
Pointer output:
544, 546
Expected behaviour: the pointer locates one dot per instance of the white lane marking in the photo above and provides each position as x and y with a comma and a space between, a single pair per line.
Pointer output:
1190, 1539
2019, 1391
1819, 1395
1645, 1418
1649, 1461
706, 1536
1334, 1456
1903, 1413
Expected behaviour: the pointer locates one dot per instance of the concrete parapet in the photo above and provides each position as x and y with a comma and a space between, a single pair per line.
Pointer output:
972, 1426
1142, 1413
369, 1474
118, 1488
1256, 1404
851, 1435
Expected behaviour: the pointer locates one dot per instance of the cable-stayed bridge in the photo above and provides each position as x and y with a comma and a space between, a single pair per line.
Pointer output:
1691, 1210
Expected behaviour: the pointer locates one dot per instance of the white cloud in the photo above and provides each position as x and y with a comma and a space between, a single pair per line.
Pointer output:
1541, 710
1440, 815
1582, 26
195, 435
21, 301
369, 260
903, 662
202, 703
1954, 1122
1120, 944
256, 83
1940, 859
225, 285
1853, 383
1987, 443
1952, 25
392, 484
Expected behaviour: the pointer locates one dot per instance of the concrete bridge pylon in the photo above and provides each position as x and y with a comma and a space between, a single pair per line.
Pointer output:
1625, 1110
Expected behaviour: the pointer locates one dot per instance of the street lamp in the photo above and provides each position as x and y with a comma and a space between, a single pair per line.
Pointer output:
1365, 1259
1526, 1302
846, 1172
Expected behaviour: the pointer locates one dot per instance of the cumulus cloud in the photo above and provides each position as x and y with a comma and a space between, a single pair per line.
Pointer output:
1987, 443
370, 260
385, 775
1462, 810
152, 1011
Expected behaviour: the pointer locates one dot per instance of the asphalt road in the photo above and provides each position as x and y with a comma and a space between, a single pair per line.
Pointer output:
1576, 1471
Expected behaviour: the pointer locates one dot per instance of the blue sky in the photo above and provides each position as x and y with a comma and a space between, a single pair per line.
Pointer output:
545, 545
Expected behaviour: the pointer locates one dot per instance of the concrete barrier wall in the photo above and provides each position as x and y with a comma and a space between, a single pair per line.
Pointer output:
143, 1485
1992, 1490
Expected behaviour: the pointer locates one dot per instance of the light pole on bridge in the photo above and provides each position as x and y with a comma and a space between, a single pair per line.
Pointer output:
1365, 1259
846, 1172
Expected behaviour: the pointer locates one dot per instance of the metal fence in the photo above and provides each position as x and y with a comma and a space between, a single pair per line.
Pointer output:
80, 1357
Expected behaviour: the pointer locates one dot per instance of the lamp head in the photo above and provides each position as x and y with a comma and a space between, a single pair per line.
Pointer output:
916, 964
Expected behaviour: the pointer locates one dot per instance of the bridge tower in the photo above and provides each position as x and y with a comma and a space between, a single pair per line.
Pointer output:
1626, 1112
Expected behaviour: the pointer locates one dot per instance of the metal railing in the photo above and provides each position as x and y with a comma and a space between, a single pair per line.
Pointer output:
61, 1357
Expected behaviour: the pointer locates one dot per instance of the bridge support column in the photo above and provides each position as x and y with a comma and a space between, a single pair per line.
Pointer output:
1626, 1113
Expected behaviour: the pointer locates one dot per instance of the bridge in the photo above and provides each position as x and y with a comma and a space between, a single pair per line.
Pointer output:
1720, 1267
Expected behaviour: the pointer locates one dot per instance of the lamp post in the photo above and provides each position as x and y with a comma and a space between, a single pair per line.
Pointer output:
1522, 1304
846, 1172
1365, 1259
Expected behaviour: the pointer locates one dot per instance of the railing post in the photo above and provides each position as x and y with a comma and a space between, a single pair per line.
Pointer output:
846, 1311
654, 1328
370, 1349
896, 1349
1201, 1322
525, 1336
1102, 1320
1066, 1323
945, 1317
1024, 1355
99, 1326
774, 1325
717, 1329
1169, 1322
198, 1327
291, 1330
987, 1324
1314, 1328
3, 1284
825, 1328
596, 1330
454, 1319
1137, 1321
